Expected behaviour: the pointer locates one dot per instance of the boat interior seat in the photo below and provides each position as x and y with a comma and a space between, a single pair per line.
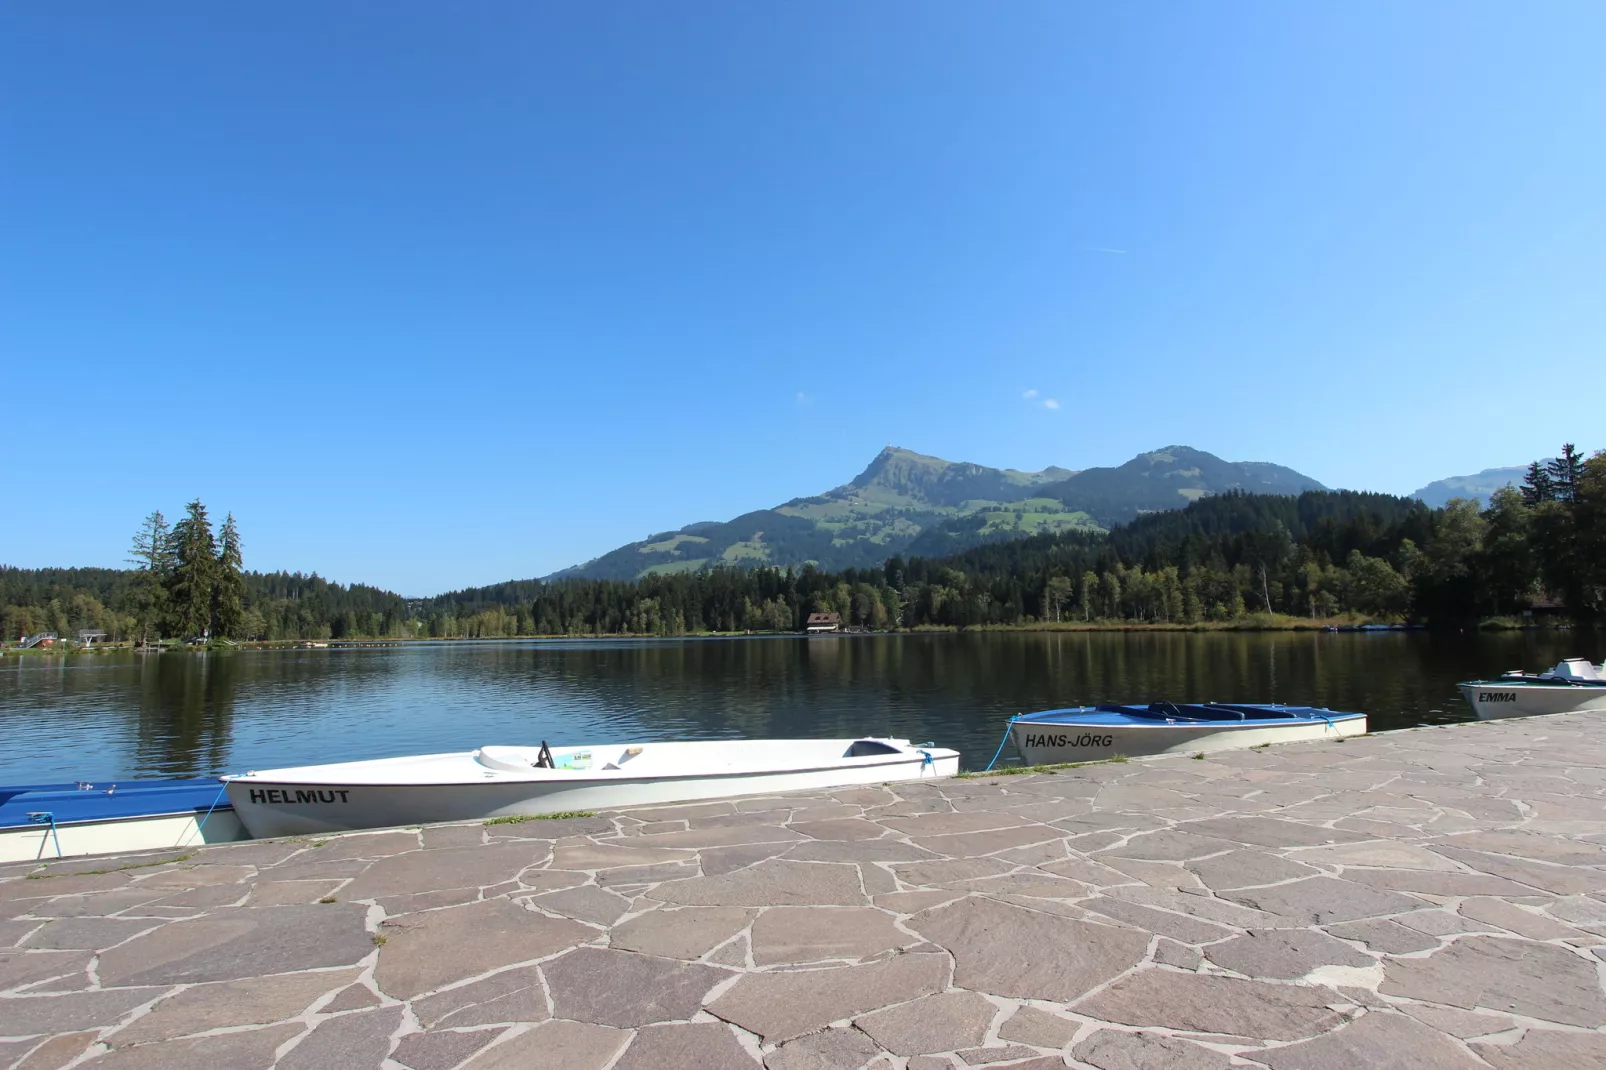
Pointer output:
866, 748
1577, 669
505, 759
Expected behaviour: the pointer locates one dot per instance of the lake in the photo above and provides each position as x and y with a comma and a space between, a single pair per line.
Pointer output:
122, 715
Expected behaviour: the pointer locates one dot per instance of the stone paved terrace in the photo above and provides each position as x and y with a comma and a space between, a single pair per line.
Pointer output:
1427, 899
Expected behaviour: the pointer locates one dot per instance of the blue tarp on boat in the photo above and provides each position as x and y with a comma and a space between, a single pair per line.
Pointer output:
109, 801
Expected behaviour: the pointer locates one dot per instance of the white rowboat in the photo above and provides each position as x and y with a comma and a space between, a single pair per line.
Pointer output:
508, 782
1096, 733
1574, 684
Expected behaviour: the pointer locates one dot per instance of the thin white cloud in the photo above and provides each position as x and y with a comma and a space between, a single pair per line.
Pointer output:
1051, 403
1102, 249
804, 399
1028, 394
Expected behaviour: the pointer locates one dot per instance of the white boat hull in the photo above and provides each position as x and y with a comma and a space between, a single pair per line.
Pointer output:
1042, 743
1494, 699
119, 835
434, 788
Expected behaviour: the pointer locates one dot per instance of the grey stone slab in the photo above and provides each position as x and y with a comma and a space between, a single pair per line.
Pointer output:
1563, 850
814, 934
357, 1039
1436, 883
59, 1051
241, 943
1268, 831
369, 845
771, 883
87, 934
1201, 1003
1386, 936
1541, 1049
1458, 1023
441, 1050
64, 1013
934, 1023
680, 932
949, 871
780, 1006
842, 828
1539, 876
438, 870
1536, 980
251, 1049
1177, 926
1283, 954
953, 823
351, 998
830, 1049
436, 836
619, 988
1513, 918
230, 1004
993, 841
1389, 854
1008, 951
691, 1046
1012, 1053
1378, 1040
423, 952
1322, 900
516, 995
584, 857
1171, 846
19, 968
554, 1046
1112, 1049
859, 851
698, 839
719, 860
585, 903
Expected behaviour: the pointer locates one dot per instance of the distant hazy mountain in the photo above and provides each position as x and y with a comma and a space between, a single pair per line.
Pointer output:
908, 503
1477, 487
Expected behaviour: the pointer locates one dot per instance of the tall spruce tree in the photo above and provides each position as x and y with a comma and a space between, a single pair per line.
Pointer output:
147, 597
228, 598
193, 575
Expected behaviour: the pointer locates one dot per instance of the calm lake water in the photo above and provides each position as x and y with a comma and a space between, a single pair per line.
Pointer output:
123, 715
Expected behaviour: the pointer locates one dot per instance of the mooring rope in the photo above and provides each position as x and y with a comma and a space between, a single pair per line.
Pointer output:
202, 826
1000, 749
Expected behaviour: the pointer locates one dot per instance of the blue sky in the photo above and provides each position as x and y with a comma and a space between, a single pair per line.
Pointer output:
435, 295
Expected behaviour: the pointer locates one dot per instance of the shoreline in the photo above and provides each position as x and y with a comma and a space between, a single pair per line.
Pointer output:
1256, 623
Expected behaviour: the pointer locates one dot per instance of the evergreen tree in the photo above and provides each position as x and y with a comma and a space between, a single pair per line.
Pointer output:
228, 600
1537, 486
146, 597
193, 575
1564, 473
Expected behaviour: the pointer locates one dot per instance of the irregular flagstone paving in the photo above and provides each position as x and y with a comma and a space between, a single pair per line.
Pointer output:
1425, 899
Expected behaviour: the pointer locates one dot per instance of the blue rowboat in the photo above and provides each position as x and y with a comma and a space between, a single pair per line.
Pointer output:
43, 821
1094, 733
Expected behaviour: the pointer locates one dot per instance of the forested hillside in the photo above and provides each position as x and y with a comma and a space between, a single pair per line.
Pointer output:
1224, 558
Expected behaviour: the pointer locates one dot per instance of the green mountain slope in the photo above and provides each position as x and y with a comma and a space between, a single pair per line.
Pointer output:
909, 503
1170, 478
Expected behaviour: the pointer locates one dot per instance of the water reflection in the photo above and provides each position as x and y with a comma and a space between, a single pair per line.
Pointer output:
118, 715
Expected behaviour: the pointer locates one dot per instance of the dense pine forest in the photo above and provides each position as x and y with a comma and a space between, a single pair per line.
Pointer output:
1231, 558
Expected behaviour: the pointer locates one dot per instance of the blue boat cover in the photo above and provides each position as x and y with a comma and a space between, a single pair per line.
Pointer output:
1173, 712
107, 801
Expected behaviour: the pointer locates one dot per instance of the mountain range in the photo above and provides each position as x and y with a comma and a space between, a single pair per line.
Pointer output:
908, 503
